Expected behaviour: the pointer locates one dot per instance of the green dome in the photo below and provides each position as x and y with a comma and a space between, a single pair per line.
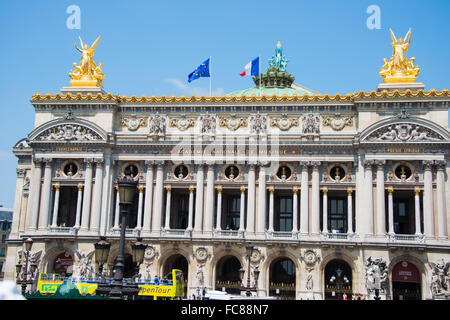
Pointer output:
270, 91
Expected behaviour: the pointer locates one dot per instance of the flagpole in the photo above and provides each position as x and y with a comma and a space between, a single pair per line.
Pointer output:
259, 67
210, 76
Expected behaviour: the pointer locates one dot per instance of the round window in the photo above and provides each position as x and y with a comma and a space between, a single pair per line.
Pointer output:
403, 172
131, 170
181, 172
70, 169
232, 172
284, 172
337, 173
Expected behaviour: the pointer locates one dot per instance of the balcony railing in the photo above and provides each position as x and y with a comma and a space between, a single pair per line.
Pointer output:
228, 234
406, 238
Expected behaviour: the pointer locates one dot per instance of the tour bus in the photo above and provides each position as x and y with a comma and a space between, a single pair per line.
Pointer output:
169, 287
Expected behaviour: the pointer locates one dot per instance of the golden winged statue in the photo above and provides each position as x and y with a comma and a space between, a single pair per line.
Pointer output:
399, 69
87, 73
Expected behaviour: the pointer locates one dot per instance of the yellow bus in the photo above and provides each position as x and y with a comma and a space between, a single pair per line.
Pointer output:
170, 287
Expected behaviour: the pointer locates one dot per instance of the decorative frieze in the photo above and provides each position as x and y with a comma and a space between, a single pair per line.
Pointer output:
232, 122
133, 122
284, 123
337, 122
311, 123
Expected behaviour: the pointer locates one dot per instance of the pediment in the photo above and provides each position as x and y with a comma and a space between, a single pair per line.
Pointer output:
409, 130
68, 131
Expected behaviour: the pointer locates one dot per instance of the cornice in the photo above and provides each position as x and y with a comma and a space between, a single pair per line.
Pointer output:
361, 95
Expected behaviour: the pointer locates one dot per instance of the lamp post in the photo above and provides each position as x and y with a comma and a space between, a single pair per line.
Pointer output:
340, 280
25, 279
101, 256
248, 288
127, 191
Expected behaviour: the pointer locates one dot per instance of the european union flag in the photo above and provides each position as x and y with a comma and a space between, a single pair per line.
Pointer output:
201, 71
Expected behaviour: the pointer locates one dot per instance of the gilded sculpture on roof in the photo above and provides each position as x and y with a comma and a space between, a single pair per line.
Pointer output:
87, 73
399, 69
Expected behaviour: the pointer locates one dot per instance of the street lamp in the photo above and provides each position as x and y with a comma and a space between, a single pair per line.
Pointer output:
127, 191
137, 252
248, 289
340, 280
101, 256
25, 280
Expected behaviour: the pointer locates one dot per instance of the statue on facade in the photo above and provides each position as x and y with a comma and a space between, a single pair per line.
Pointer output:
87, 73
278, 62
440, 279
399, 69
84, 268
376, 274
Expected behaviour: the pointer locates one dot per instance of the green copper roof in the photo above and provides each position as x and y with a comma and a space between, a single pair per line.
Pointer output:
270, 91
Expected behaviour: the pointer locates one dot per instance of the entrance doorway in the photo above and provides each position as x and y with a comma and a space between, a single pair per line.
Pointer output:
227, 275
338, 280
282, 279
179, 262
406, 284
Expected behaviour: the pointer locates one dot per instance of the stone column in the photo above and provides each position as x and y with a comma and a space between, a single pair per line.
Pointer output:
366, 226
168, 206
325, 210
349, 211
45, 200
440, 199
97, 201
18, 200
271, 205
261, 219
117, 209
390, 211
251, 199
107, 194
87, 195
242, 211
79, 206
209, 214
304, 198
315, 199
35, 194
159, 193
428, 216
191, 208
219, 208
139, 213
294, 209
148, 196
417, 211
381, 214
55, 206
198, 225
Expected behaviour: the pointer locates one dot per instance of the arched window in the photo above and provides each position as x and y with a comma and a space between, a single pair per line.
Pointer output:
338, 280
282, 279
227, 275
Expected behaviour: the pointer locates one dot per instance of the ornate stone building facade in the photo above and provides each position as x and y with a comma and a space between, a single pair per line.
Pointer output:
337, 193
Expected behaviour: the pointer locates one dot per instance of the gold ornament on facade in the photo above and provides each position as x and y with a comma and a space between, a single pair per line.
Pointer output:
284, 123
399, 69
337, 122
87, 73
133, 123
233, 123
183, 123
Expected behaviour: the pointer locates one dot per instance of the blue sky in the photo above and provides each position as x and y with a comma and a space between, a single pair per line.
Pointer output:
149, 48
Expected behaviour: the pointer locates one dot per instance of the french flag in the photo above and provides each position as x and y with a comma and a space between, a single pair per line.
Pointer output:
252, 68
